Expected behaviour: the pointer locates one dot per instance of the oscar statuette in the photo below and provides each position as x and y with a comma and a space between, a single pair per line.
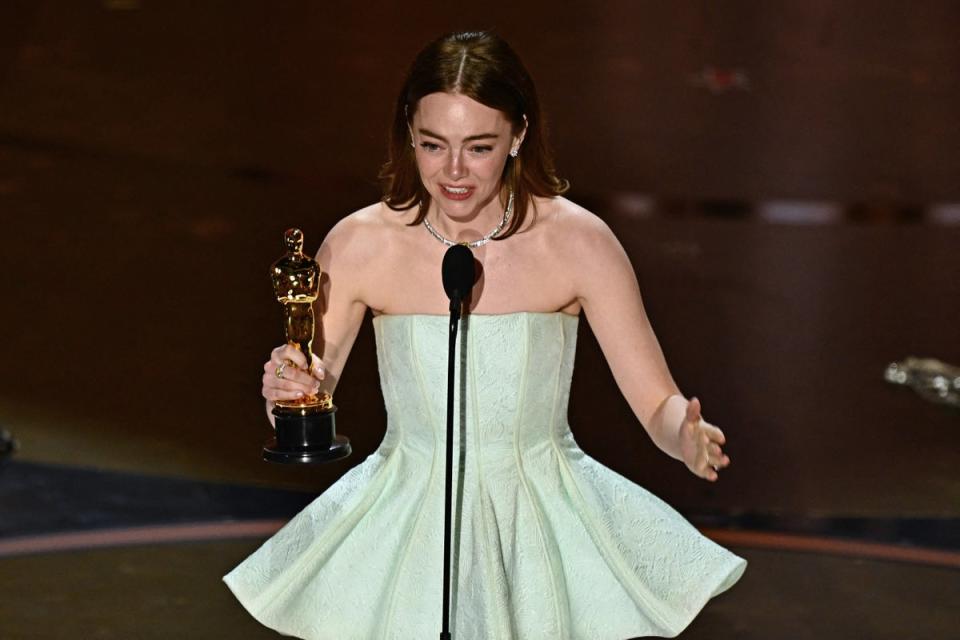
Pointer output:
305, 428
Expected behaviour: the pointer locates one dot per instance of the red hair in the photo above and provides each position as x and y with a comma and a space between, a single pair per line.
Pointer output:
481, 66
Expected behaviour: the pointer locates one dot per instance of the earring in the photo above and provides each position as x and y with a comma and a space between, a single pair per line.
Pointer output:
514, 153
410, 131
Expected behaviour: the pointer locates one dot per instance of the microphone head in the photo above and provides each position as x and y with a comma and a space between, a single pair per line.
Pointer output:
458, 272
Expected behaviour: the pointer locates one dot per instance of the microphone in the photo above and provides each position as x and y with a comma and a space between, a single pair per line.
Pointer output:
458, 274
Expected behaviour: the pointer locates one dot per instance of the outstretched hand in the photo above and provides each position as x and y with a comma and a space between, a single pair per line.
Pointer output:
700, 444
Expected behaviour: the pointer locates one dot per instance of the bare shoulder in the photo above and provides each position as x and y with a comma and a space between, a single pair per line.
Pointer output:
573, 228
588, 255
357, 237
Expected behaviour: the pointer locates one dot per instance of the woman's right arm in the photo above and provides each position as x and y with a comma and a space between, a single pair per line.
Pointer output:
339, 313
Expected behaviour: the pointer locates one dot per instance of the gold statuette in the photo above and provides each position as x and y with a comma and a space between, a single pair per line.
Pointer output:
296, 283
304, 428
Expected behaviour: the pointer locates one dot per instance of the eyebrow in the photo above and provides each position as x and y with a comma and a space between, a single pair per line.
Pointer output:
479, 136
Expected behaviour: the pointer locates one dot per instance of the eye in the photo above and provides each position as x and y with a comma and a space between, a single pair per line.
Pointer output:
429, 146
480, 149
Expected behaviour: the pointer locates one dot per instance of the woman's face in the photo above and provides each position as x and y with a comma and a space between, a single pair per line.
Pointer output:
461, 147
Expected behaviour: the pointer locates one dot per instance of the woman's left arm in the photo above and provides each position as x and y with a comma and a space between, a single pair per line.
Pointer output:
607, 289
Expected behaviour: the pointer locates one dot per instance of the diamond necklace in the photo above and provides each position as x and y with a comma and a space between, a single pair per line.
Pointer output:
482, 241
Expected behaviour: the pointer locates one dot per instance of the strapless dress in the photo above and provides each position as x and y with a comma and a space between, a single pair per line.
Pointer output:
548, 544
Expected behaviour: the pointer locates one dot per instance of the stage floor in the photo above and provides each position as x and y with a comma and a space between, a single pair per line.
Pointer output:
121, 555
171, 591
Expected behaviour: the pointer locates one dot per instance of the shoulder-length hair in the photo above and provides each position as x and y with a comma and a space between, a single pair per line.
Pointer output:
481, 66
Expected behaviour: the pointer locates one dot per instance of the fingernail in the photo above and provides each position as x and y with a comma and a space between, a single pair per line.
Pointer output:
299, 394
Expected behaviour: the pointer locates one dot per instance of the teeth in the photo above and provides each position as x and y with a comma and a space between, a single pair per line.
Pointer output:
459, 190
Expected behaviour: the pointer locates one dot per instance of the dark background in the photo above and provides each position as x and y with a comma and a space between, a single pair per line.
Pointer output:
152, 153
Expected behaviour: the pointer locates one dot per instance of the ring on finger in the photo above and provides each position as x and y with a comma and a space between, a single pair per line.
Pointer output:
279, 370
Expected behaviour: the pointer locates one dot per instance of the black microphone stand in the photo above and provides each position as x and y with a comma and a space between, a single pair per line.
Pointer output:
455, 308
458, 277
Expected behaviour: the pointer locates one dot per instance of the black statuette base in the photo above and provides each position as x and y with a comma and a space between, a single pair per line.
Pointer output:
305, 439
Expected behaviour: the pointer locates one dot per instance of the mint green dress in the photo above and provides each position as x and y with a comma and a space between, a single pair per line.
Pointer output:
549, 544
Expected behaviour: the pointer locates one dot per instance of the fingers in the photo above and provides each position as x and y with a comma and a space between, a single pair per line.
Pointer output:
292, 378
716, 456
711, 439
293, 357
288, 352
714, 434
285, 376
713, 452
275, 389
713, 461
288, 372
709, 463
717, 459
695, 415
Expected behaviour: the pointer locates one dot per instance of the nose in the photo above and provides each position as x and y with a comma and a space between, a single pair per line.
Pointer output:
455, 168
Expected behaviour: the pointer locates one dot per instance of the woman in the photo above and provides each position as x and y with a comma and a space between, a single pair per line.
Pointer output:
548, 543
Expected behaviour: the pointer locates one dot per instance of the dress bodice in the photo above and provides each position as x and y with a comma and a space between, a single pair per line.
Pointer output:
512, 375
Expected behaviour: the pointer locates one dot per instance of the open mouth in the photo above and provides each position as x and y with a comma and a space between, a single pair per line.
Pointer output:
456, 193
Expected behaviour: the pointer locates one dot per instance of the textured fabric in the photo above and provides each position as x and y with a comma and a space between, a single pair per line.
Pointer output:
548, 543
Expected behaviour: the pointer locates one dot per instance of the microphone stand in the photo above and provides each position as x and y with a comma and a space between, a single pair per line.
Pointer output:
455, 309
458, 279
